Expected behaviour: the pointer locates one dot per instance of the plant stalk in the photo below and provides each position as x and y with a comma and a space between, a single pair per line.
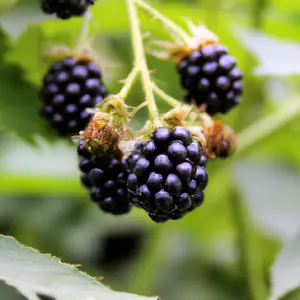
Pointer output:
164, 20
140, 60
128, 83
167, 98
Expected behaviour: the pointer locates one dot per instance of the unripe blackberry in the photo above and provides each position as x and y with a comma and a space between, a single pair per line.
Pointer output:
211, 77
65, 9
70, 87
220, 139
165, 176
105, 179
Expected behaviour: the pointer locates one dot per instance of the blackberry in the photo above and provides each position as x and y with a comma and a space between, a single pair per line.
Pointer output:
70, 86
166, 174
105, 179
211, 77
203, 161
65, 9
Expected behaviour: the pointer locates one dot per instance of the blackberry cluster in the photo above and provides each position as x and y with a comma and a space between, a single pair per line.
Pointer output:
65, 9
211, 77
105, 179
70, 87
167, 174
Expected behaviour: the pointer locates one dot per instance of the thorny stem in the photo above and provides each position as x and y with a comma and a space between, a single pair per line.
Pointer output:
140, 60
128, 83
164, 20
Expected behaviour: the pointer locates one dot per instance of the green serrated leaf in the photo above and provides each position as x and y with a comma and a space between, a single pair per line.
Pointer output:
33, 273
285, 274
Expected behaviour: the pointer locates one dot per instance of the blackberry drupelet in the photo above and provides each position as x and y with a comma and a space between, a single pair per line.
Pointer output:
69, 88
203, 161
166, 177
211, 77
65, 9
105, 179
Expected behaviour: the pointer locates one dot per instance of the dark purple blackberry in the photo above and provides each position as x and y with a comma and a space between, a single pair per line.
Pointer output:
167, 174
69, 88
105, 179
65, 9
203, 161
211, 77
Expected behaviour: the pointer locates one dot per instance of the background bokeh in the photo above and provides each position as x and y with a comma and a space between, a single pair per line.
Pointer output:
201, 256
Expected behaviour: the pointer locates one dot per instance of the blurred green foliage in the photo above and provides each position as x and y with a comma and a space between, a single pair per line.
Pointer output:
43, 205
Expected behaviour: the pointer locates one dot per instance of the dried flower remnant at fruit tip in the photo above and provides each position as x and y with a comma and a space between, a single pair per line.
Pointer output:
101, 139
221, 140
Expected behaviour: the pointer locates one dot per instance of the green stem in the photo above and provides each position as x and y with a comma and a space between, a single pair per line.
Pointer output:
140, 60
128, 83
164, 20
204, 119
268, 125
148, 262
167, 98
250, 261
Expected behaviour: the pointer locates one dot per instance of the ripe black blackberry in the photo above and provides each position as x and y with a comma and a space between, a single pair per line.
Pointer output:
70, 87
211, 77
105, 179
65, 9
203, 161
166, 177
